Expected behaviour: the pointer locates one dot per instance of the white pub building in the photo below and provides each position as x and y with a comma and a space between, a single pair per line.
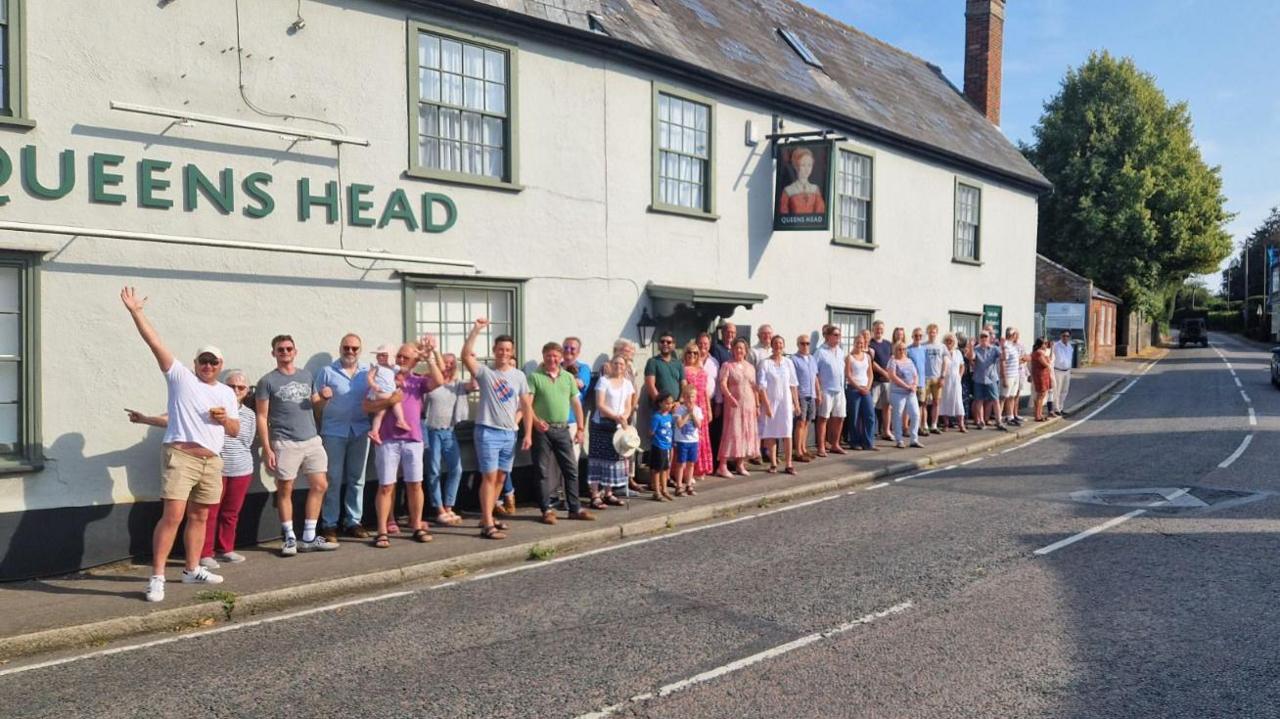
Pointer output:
398, 167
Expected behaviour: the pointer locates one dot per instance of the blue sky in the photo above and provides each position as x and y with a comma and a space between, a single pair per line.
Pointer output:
1221, 57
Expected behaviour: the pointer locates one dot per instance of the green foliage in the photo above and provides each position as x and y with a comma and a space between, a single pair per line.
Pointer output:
1134, 206
1264, 236
540, 553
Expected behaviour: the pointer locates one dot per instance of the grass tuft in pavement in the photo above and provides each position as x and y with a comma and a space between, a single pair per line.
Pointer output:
539, 553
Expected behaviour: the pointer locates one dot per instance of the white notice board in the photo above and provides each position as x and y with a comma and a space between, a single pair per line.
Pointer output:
1064, 315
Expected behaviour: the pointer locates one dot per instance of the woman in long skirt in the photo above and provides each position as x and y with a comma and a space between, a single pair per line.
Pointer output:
952, 401
740, 438
697, 378
776, 377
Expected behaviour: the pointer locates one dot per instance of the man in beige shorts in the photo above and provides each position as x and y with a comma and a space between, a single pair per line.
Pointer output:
202, 412
287, 407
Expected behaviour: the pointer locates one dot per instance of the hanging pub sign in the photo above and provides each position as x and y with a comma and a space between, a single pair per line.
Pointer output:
802, 184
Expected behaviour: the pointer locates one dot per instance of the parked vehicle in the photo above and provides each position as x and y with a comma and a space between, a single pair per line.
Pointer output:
1193, 331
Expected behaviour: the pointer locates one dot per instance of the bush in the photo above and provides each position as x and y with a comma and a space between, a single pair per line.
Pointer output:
1225, 321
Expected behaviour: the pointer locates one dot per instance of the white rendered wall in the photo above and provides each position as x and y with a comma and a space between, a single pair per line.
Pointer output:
584, 139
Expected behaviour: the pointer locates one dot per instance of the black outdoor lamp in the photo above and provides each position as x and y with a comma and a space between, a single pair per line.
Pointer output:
645, 327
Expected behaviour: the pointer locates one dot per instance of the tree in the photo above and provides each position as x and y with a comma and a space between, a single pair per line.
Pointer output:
1266, 235
1134, 206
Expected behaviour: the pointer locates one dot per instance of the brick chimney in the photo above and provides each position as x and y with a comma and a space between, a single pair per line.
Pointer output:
983, 49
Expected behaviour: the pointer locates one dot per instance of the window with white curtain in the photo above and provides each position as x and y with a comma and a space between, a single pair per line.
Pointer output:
684, 153
463, 118
968, 217
853, 197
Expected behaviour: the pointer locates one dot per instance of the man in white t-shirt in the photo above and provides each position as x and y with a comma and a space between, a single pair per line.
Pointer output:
1064, 354
1012, 359
202, 413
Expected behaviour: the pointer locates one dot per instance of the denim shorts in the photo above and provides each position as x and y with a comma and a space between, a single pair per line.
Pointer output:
985, 392
495, 449
686, 452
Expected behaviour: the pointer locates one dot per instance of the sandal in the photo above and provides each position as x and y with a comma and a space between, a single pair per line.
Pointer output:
614, 501
789, 470
598, 504
381, 541
492, 532
422, 536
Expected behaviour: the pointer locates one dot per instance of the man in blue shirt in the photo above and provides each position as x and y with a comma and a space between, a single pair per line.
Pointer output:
916, 352
344, 430
807, 387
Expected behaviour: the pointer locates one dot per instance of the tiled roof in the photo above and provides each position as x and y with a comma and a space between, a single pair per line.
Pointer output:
866, 81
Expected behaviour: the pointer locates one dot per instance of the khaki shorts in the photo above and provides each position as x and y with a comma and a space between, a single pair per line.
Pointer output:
880, 394
188, 478
932, 390
293, 458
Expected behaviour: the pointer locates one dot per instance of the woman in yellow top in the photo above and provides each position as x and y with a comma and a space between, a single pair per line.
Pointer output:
802, 197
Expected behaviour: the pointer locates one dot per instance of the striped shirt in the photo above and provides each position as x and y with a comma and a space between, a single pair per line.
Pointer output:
1012, 359
237, 451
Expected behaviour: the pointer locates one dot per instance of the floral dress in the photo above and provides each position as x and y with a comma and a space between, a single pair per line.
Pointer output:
698, 378
740, 436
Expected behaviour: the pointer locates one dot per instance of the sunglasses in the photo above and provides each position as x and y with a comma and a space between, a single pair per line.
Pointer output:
211, 361
349, 348
238, 386
803, 344
285, 350
570, 348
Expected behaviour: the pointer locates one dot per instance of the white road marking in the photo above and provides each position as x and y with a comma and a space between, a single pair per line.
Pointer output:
1245, 395
1105, 525
878, 486
1237, 379
711, 674
205, 633
971, 461
1253, 418
1236, 454
1128, 387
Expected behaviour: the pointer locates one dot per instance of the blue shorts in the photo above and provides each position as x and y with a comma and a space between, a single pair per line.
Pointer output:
686, 452
495, 448
985, 392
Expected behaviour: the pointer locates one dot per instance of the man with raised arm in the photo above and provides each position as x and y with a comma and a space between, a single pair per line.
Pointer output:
202, 412
287, 408
504, 400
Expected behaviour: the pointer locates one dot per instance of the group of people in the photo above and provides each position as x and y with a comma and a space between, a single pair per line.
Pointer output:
713, 407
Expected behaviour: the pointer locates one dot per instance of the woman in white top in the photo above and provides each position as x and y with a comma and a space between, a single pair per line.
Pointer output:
904, 380
615, 403
951, 405
776, 376
860, 430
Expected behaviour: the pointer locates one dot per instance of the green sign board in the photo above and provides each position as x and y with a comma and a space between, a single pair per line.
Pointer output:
160, 185
994, 315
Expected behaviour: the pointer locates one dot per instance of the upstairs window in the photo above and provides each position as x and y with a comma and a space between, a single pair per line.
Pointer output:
682, 171
13, 108
968, 222
853, 197
463, 117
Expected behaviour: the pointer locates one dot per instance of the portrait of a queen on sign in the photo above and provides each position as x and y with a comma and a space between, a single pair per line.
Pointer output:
802, 181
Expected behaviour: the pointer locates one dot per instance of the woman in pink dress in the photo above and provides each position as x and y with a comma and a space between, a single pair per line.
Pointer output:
740, 438
694, 375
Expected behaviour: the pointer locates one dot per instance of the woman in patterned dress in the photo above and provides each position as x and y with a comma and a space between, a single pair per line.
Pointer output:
740, 438
695, 376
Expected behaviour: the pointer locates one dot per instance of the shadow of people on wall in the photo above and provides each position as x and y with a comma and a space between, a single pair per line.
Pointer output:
62, 540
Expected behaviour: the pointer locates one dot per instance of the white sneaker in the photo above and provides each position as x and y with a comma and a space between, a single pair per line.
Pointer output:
209, 563
290, 547
200, 576
319, 544
230, 558
155, 589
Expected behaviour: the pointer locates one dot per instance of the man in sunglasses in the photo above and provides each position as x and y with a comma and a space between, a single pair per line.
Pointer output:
286, 403
202, 412
344, 432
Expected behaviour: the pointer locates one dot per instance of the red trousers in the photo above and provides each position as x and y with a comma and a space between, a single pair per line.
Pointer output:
220, 529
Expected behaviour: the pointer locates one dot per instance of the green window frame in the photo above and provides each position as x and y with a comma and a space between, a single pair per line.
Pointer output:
851, 321
683, 156
966, 246
852, 216
13, 66
462, 107
446, 307
966, 323
20, 439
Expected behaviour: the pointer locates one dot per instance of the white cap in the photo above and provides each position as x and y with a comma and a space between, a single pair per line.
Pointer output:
209, 350
386, 349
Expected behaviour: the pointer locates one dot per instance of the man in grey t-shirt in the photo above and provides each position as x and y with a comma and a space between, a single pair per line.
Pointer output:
290, 445
504, 401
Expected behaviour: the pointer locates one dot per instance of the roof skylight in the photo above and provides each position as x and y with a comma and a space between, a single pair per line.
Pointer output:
798, 45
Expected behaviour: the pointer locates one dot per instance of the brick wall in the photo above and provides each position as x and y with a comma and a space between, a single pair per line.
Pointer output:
983, 55
1101, 328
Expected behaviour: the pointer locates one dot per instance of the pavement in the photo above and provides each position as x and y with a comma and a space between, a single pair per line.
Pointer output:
1120, 564
105, 604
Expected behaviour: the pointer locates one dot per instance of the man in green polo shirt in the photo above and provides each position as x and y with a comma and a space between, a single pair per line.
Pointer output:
555, 392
